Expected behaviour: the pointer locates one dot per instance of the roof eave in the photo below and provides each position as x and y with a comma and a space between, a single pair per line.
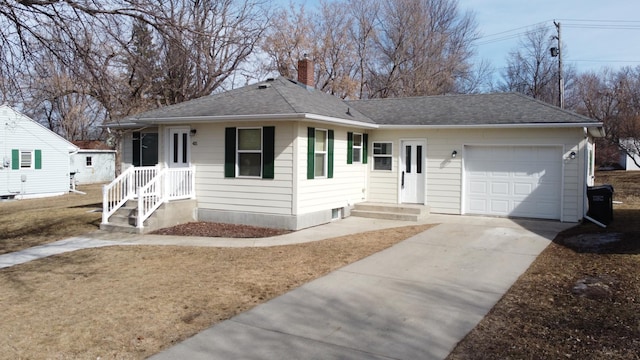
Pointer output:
495, 126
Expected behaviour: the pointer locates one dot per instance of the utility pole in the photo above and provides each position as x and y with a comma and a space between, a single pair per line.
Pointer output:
558, 53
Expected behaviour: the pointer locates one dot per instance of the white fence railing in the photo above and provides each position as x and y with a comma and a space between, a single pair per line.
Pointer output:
169, 184
151, 186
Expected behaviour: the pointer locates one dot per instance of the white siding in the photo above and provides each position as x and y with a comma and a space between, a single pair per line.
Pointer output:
215, 192
20, 132
444, 187
348, 185
102, 168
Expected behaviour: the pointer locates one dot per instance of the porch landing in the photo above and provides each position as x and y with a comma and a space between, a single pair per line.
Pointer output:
403, 212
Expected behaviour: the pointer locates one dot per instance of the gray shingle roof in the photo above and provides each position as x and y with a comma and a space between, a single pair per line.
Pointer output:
474, 109
272, 97
283, 96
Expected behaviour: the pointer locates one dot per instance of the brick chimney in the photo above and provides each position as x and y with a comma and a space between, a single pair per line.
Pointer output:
305, 71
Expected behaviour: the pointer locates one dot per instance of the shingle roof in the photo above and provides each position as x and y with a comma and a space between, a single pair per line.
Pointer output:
473, 109
283, 96
272, 97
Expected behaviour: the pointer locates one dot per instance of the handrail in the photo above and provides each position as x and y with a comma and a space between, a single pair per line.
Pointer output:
169, 184
123, 188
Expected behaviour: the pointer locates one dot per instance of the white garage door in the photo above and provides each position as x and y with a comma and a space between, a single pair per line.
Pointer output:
519, 181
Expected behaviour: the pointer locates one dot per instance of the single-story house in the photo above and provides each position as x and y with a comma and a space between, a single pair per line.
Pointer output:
95, 162
280, 153
35, 160
626, 160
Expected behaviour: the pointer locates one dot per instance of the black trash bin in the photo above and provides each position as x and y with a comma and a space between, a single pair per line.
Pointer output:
600, 203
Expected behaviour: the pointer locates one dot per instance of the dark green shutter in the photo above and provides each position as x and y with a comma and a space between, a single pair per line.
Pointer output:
15, 159
365, 147
230, 152
311, 149
349, 148
330, 164
38, 160
268, 151
136, 148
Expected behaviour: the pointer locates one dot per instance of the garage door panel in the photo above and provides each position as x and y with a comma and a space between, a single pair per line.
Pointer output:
522, 181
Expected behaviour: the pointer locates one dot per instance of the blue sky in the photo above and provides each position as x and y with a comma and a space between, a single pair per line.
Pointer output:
595, 33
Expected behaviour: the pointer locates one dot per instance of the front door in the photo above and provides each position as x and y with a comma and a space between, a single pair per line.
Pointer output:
412, 177
178, 147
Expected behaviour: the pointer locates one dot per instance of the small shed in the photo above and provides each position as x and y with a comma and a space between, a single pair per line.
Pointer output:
34, 160
94, 162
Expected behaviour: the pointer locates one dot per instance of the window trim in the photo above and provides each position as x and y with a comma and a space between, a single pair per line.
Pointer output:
88, 161
324, 152
374, 155
360, 147
31, 159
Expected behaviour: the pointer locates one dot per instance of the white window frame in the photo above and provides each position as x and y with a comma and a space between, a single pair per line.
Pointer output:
88, 161
324, 152
356, 147
31, 159
390, 155
238, 152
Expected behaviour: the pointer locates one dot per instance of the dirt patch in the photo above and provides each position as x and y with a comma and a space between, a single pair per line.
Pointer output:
210, 229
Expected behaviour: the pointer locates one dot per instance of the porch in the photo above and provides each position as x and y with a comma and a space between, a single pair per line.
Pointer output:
143, 199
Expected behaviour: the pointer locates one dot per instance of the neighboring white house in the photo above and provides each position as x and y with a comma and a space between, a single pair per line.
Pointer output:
93, 163
35, 160
626, 161
283, 154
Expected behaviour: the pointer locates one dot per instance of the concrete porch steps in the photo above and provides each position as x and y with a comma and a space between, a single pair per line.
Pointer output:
403, 212
167, 215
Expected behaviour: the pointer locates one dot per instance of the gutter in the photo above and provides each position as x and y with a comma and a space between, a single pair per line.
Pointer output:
495, 126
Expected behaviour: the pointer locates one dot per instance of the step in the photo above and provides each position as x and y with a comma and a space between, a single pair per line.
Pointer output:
386, 215
401, 209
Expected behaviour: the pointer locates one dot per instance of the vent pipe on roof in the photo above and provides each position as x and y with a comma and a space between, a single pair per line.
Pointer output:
305, 71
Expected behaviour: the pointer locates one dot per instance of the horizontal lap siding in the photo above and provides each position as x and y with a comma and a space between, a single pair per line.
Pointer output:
348, 185
445, 174
22, 133
215, 192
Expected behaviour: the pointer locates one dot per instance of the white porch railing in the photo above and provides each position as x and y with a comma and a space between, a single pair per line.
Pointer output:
169, 184
151, 186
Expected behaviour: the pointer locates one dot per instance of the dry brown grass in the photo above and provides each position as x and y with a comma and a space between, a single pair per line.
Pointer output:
131, 302
31, 222
549, 314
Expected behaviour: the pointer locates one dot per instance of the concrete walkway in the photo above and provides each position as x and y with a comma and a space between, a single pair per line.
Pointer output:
415, 300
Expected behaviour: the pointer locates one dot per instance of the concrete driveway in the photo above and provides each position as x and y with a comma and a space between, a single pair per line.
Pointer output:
415, 300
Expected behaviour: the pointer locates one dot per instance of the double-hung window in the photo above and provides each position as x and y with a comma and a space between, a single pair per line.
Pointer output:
249, 152
26, 159
319, 153
89, 161
382, 155
356, 148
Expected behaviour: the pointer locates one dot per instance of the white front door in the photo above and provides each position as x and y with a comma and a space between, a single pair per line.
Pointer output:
412, 167
179, 147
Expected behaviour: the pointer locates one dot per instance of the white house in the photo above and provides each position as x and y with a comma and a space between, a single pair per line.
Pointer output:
94, 163
282, 154
35, 160
626, 160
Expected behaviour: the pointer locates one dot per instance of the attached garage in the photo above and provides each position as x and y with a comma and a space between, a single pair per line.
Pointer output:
517, 181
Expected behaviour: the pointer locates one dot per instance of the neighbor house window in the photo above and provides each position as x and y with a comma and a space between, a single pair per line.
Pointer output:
89, 161
356, 148
319, 153
26, 159
382, 155
249, 152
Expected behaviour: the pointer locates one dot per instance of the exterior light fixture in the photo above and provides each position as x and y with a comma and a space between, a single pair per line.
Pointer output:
572, 155
193, 132
454, 154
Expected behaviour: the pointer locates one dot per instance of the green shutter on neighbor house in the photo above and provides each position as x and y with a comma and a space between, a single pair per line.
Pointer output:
365, 147
268, 151
349, 148
311, 141
38, 159
230, 152
136, 144
330, 164
15, 159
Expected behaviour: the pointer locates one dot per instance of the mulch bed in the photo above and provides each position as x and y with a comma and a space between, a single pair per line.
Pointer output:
211, 229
